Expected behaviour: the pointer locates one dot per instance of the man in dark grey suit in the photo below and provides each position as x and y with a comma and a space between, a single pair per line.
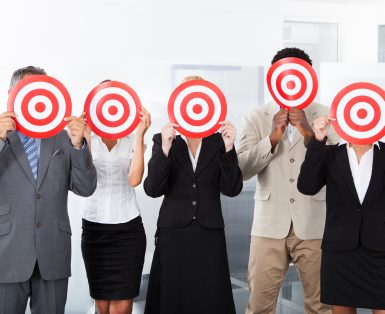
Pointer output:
35, 232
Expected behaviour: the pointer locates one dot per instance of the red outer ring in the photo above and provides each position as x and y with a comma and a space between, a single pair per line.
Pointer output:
128, 89
50, 80
336, 102
301, 62
215, 89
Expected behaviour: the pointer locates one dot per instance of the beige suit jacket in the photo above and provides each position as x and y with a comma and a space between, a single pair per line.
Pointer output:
278, 203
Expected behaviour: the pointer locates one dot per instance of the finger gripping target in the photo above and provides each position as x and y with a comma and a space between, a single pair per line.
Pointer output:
292, 82
112, 110
197, 106
359, 110
41, 103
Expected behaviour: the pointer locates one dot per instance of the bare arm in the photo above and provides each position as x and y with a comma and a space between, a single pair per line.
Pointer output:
135, 175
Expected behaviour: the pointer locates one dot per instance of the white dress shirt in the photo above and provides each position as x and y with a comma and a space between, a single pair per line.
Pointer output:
290, 132
194, 161
114, 200
361, 172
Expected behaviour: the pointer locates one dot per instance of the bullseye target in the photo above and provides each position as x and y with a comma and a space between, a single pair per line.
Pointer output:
197, 106
41, 103
359, 110
292, 82
112, 110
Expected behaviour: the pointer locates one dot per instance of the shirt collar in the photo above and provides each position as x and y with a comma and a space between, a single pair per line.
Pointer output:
343, 142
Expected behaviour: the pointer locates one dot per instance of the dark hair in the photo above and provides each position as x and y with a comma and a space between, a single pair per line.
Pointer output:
19, 74
291, 52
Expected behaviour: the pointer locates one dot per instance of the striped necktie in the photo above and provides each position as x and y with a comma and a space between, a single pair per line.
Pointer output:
30, 148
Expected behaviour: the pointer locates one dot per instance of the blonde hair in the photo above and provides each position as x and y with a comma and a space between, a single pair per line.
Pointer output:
192, 77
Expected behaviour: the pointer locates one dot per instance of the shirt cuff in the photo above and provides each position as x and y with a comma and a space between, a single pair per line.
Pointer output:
85, 145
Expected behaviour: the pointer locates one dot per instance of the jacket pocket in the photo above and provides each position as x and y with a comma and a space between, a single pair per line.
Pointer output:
5, 209
65, 226
262, 195
5, 228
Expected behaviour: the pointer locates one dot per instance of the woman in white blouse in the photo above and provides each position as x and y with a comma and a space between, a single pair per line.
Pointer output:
353, 245
113, 239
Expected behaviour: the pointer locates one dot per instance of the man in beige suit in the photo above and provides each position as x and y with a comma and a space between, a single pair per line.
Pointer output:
287, 226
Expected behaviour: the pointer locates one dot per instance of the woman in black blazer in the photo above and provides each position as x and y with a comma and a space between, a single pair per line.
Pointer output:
353, 246
190, 272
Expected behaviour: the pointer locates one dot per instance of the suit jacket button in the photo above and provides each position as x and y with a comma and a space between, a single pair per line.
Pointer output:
38, 225
291, 180
194, 185
359, 209
291, 160
194, 203
292, 200
39, 196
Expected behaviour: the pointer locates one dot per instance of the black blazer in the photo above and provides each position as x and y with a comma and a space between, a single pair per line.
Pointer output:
188, 194
348, 222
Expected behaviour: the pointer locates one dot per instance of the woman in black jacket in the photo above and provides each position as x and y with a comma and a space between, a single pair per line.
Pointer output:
353, 246
190, 272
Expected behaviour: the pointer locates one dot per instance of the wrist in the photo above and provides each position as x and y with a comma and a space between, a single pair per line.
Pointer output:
166, 149
229, 147
78, 144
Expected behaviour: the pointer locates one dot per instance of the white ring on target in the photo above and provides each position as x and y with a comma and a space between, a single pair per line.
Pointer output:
341, 108
112, 90
296, 81
197, 128
308, 78
365, 106
32, 107
113, 103
197, 116
40, 128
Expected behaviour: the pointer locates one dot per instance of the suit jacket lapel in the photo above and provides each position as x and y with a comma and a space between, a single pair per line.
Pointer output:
181, 155
343, 167
208, 151
18, 150
46, 150
377, 173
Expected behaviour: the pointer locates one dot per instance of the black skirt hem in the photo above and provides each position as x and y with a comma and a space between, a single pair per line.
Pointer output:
349, 303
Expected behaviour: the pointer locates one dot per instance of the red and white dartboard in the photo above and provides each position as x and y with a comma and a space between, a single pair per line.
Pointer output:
359, 110
112, 110
197, 106
292, 82
41, 103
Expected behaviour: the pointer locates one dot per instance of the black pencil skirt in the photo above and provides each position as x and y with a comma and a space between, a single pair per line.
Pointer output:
354, 278
114, 256
190, 273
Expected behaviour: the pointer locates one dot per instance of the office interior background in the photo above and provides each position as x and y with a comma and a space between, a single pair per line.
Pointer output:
152, 44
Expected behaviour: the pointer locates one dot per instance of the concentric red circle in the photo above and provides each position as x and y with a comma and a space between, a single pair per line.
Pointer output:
285, 103
377, 107
116, 91
194, 88
24, 113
